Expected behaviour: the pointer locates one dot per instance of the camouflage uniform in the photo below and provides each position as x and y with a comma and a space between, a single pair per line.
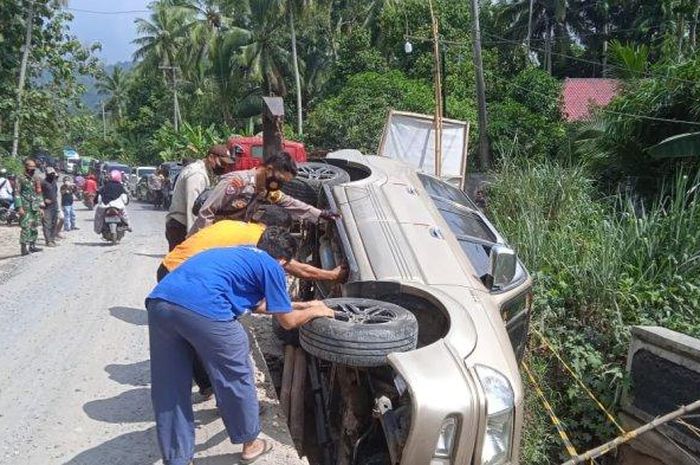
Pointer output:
236, 197
27, 197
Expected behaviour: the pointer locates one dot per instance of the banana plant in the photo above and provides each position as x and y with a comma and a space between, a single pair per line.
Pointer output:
678, 146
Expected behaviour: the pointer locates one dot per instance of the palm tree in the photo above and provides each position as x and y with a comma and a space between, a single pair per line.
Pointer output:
115, 86
160, 37
264, 53
553, 21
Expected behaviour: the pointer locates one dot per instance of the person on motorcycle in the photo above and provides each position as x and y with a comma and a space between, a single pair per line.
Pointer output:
90, 188
7, 191
111, 194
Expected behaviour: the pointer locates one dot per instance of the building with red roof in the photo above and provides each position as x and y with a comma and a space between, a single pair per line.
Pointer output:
580, 95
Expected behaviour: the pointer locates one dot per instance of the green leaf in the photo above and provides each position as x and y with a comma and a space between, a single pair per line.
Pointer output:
678, 146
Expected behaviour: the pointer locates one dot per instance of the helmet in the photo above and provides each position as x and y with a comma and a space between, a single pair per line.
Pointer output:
3, 171
115, 175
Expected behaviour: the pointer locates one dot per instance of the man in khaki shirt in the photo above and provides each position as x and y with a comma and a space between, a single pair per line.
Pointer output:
192, 181
238, 194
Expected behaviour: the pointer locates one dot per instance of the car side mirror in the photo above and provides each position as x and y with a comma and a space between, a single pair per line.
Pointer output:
503, 262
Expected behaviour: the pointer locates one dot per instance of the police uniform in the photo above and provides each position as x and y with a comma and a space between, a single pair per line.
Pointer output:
235, 196
27, 197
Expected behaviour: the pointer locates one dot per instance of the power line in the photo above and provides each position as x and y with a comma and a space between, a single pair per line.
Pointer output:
605, 110
97, 12
583, 60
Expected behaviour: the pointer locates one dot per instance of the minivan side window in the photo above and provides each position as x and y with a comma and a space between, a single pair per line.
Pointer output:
437, 188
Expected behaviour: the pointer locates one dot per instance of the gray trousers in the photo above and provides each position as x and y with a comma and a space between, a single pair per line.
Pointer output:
49, 222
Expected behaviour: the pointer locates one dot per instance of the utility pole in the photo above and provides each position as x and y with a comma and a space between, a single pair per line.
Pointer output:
176, 105
104, 122
23, 75
484, 145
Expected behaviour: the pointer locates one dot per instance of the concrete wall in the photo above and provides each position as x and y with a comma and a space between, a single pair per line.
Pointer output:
664, 371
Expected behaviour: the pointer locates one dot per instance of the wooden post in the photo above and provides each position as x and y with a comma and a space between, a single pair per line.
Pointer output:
287, 374
273, 130
438, 91
296, 407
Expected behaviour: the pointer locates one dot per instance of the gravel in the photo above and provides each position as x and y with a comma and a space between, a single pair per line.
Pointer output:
74, 365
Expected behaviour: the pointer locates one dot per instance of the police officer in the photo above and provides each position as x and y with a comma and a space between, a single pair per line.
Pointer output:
238, 194
28, 203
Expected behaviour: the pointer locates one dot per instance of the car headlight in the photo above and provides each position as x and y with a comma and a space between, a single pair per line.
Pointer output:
446, 442
500, 401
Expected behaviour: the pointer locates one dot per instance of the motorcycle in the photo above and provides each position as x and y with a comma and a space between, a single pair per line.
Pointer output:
114, 226
8, 214
89, 200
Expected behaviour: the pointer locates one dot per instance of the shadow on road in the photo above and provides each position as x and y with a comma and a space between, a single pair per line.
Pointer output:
135, 316
136, 448
93, 244
128, 407
226, 459
10, 256
132, 374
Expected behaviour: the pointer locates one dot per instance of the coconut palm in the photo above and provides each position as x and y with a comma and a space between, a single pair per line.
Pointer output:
553, 22
160, 37
115, 86
264, 52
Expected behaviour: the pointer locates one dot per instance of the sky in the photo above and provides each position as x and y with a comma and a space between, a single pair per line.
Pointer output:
110, 22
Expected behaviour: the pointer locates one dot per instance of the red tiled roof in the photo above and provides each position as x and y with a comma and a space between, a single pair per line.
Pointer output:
582, 93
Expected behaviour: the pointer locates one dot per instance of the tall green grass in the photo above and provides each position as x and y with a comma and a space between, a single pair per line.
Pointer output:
601, 264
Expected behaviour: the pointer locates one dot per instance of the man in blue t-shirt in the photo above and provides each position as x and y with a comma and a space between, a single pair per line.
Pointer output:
194, 311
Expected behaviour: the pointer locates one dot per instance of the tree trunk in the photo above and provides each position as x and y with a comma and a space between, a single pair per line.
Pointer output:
297, 77
693, 35
23, 75
548, 48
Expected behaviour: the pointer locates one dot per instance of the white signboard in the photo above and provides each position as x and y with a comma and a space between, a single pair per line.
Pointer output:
410, 137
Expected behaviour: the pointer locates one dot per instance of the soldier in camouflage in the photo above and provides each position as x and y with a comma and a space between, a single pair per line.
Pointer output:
28, 205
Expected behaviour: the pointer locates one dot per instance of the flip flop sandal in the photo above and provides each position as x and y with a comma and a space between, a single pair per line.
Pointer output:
267, 447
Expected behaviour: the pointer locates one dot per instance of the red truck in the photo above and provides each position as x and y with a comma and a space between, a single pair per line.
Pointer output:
249, 151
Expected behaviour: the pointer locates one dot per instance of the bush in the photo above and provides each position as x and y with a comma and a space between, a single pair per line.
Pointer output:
526, 120
355, 117
600, 266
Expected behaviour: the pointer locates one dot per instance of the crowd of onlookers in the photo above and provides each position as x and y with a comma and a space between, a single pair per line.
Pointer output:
39, 199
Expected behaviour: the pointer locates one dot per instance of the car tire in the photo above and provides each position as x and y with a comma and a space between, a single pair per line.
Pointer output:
310, 179
362, 334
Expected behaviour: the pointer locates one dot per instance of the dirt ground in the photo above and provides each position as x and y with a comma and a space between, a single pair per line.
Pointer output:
74, 360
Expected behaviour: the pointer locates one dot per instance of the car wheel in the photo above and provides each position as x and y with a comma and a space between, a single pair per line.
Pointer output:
310, 179
362, 334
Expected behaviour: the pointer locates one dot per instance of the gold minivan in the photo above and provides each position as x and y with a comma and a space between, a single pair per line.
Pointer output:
420, 365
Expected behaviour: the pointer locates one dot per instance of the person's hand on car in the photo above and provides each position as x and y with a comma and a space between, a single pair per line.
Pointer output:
340, 273
329, 215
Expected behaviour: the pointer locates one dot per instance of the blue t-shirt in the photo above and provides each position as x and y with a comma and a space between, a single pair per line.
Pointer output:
225, 283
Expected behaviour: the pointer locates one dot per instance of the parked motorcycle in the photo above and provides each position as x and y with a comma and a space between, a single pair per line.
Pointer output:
8, 214
114, 226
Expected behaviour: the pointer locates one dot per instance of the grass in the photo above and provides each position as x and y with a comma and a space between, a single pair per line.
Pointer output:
601, 264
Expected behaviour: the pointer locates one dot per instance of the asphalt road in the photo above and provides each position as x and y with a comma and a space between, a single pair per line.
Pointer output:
74, 364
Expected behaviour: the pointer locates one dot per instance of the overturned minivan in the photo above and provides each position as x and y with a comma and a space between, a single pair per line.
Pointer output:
420, 365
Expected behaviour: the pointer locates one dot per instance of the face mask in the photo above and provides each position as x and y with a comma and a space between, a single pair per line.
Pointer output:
218, 170
272, 183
